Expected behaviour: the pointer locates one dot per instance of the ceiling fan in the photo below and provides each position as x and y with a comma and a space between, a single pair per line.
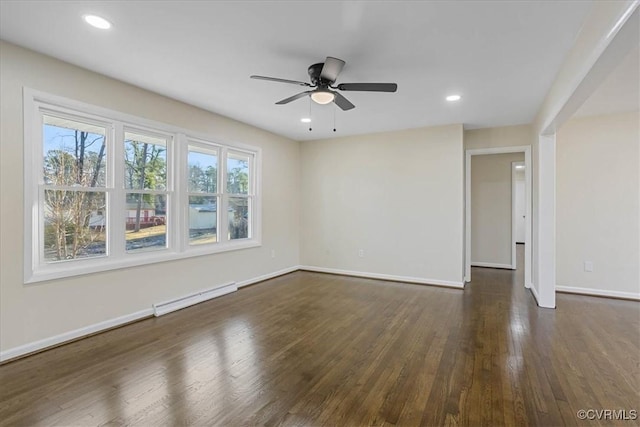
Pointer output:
323, 75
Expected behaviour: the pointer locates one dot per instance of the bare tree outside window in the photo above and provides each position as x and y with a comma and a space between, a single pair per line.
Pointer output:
238, 190
146, 181
74, 174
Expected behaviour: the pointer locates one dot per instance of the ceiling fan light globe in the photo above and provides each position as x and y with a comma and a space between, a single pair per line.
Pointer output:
322, 97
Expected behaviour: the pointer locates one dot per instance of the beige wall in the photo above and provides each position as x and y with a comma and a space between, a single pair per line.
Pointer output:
491, 241
398, 196
32, 312
506, 136
598, 214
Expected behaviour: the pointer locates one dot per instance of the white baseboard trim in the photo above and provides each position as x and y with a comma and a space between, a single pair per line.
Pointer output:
268, 276
72, 335
598, 292
45, 343
492, 265
535, 294
393, 278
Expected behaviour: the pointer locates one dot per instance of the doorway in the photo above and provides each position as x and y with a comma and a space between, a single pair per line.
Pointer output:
527, 214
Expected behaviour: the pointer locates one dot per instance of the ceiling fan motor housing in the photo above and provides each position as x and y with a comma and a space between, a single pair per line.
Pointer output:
314, 73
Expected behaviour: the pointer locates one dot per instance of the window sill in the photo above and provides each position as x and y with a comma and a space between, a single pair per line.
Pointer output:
95, 265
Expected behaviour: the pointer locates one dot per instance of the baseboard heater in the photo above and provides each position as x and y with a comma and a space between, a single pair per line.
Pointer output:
192, 299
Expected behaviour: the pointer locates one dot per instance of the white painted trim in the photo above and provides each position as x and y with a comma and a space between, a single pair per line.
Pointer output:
467, 216
95, 265
390, 277
513, 215
514, 219
45, 343
497, 150
268, 276
598, 292
176, 304
72, 335
493, 265
528, 224
535, 294
528, 261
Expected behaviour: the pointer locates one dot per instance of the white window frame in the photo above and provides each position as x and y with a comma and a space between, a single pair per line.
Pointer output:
212, 149
178, 139
37, 164
249, 196
168, 192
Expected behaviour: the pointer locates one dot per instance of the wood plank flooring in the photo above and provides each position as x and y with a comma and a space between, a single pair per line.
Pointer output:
315, 349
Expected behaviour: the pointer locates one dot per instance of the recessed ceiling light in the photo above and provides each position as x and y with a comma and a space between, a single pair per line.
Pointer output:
97, 22
305, 120
452, 98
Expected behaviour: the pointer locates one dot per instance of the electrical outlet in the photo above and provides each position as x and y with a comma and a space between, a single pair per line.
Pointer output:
588, 266
361, 253
273, 253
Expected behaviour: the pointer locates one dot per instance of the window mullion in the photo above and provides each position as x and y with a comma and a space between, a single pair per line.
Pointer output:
173, 208
250, 209
223, 214
180, 200
219, 208
116, 204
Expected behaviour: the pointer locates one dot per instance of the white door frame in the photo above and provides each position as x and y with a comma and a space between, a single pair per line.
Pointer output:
514, 213
526, 149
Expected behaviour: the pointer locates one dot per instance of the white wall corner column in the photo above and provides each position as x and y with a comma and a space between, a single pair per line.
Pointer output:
607, 34
545, 287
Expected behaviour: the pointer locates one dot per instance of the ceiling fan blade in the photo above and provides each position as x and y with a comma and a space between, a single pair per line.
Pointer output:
331, 68
294, 97
343, 102
369, 87
274, 79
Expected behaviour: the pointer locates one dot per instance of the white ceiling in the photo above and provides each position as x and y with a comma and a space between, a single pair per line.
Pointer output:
501, 56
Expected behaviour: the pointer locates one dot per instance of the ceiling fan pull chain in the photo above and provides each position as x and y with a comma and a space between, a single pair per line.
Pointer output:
334, 116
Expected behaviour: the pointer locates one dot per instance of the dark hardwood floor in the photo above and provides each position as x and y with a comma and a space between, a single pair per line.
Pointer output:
315, 349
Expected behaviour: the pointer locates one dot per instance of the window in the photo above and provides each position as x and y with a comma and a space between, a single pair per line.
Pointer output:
204, 199
73, 188
238, 194
105, 190
145, 179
